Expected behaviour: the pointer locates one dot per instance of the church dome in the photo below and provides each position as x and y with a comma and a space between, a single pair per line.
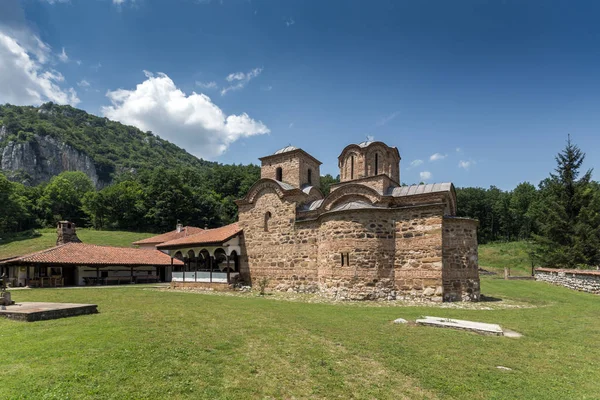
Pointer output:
286, 149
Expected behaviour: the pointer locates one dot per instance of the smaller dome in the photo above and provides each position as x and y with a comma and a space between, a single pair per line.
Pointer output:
286, 149
365, 143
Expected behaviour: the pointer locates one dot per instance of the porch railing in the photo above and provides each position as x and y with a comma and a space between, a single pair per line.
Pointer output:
202, 276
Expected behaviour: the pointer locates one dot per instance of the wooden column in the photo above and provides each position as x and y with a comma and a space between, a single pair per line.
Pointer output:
196, 271
27, 276
210, 260
97, 275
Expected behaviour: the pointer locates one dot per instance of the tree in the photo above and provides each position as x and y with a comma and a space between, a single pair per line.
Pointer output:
568, 214
61, 198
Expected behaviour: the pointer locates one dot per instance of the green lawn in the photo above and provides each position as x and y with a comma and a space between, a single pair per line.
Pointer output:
146, 343
23, 244
514, 255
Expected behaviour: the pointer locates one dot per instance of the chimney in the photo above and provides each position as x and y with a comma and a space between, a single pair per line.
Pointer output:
65, 233
179, 227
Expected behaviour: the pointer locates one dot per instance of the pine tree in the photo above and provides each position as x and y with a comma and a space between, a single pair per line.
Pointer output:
568, 214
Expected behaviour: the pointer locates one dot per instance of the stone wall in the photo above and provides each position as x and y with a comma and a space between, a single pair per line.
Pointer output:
365, 240
460, 260
294, 166
284, 255
585, 281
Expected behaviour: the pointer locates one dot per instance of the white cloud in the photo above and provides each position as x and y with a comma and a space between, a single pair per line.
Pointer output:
458, 149
437, 156
291, 125
239, 80
192, 121
383, 121
266, 88
465, 164
207, 85
289, 22
63, 56
425, 175
416, 163
96, 67
83, 83
56, 1
25, 78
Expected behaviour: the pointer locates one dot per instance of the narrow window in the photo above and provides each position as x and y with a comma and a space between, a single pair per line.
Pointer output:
342, 254
267, 218
376, 163
351, 167
310, 176
347, 259
279, 174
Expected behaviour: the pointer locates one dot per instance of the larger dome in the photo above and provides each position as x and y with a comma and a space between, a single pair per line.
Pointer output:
286, 149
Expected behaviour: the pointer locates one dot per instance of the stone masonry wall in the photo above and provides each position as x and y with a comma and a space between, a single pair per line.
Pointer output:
284, 255
365, 240
585, 281
418, 255
461, 269
289, 164
294, 168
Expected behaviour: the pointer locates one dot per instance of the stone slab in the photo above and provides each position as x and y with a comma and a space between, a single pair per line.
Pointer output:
37, 311
479, 327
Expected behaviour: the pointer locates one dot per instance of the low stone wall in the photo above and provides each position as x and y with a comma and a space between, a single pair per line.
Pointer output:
585, 281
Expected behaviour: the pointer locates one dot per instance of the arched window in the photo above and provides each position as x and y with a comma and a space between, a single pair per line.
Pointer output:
267, 218
310, 176
279, 174
376, 163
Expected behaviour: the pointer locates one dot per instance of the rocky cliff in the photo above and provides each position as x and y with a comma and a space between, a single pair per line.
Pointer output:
42, 157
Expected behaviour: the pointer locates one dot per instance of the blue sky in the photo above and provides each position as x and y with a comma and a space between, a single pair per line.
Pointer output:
478, 93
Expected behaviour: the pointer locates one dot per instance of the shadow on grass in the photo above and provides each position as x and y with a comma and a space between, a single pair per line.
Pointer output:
7, 238
484, 298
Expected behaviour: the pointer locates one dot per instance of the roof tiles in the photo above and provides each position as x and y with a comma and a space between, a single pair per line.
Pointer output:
165, 237
217, 235
90, 254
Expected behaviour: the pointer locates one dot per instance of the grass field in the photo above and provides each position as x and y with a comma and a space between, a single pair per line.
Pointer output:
23, 244
147, 343
514, 255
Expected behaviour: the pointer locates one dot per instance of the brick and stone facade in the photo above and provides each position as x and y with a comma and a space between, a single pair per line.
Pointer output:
369, 239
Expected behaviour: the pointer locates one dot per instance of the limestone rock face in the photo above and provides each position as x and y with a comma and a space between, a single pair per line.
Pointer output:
43, 158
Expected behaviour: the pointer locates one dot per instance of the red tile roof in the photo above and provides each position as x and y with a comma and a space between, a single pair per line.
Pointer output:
217, 235
89, 254
165, 237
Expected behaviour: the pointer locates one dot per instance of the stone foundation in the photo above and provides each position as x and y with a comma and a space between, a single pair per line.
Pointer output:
585, 281
201, 285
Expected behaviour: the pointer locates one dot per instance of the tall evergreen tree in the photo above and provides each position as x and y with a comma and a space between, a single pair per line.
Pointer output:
568, 214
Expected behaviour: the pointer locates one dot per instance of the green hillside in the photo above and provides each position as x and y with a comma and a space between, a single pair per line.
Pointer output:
114, 147
27, 242
514, 255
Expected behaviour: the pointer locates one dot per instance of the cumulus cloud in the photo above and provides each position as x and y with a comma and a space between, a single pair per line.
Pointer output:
25, 77
238, 80
437, 156
207, 85
416, 163
192, 121
425, 176
465, 164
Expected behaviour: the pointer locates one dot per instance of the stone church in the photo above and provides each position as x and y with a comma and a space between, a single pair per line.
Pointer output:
369, 238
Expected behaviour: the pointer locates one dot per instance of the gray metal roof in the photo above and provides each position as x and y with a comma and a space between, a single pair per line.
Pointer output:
285, 186
365, 143
419, 189
286, 149
353, 205
313, 205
